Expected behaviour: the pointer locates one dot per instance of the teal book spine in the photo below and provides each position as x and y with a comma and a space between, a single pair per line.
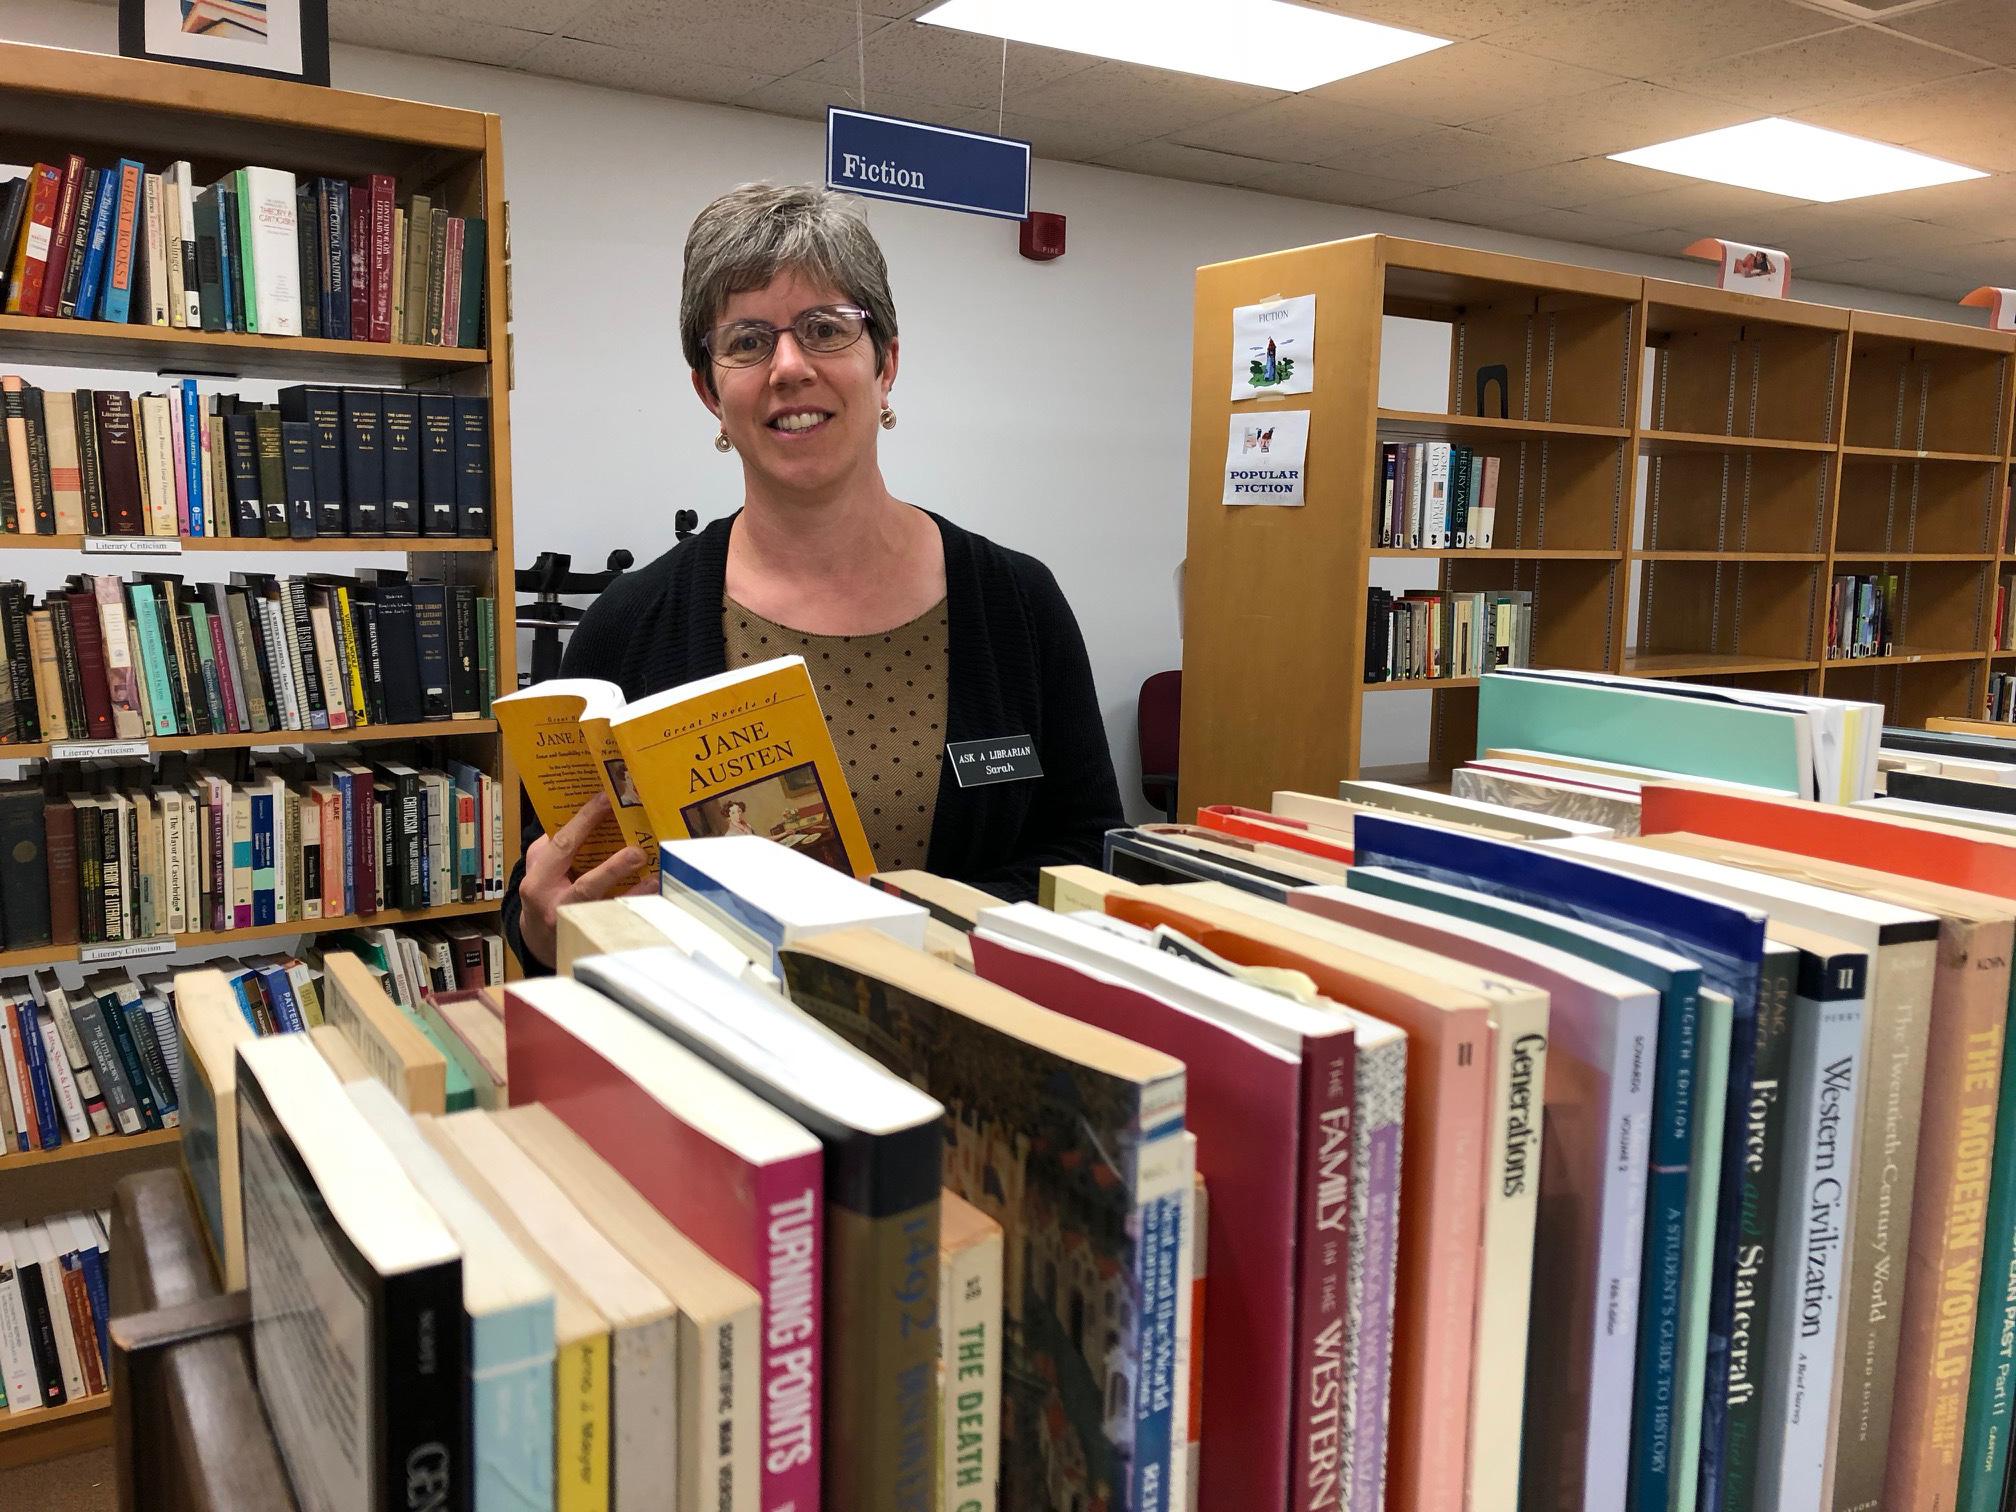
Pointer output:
1984, 1443
511, 1407
460, 1093
154, 657
1711, 1062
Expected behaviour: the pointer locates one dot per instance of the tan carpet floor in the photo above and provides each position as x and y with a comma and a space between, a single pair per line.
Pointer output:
77, 1483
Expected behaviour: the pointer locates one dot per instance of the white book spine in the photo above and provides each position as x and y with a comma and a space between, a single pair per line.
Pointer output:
171, 248
17, 1352
643, 1385
62, 1082
173, 839
276, 259
80, 1063
445, 837
185, 195
969, 1409
1435, 508
1824, 1076
283, 666
162, 519
1487, 508
157, 252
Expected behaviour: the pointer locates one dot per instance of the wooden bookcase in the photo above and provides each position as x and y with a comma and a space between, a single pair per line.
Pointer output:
1683, 473
54, 102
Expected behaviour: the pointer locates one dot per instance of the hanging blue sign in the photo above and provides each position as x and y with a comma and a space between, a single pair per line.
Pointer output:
887, 158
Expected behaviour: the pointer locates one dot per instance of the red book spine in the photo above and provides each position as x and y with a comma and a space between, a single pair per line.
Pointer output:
89, 636
24, 1083
86, 1336
381, 256
360, 261
761, 1221
59, 851
59, 235
26, 299
225, 686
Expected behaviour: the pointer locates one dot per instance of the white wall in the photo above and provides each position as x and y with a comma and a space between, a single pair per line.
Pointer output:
1044, 405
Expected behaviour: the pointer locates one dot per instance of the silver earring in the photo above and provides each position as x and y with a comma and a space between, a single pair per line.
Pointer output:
722, 443
888, 418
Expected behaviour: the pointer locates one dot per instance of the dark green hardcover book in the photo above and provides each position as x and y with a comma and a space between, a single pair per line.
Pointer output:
272, 473
486, 652
24, 876
469, 329
465, 698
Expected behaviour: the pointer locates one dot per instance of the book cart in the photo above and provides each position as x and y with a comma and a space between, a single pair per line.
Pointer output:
1690, 464
54, 102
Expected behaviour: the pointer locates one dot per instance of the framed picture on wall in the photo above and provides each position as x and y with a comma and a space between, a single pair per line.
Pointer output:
279, 39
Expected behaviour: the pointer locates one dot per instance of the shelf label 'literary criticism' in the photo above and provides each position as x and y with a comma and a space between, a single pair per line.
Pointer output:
1264, 457
1274, 347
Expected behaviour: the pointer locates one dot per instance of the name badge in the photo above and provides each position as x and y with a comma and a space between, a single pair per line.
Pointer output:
1004, 758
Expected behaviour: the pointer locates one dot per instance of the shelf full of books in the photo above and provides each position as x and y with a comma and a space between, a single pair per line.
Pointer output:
1660, 473
240, 315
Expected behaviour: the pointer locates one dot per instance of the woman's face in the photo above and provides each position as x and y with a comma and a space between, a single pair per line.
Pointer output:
840, 391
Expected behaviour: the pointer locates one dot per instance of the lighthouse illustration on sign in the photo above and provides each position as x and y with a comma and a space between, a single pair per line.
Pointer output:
1274, 347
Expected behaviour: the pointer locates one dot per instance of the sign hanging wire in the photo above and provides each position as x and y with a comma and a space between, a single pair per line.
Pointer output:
861, 52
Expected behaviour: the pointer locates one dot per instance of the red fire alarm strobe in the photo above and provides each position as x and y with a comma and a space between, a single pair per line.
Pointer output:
1043, 236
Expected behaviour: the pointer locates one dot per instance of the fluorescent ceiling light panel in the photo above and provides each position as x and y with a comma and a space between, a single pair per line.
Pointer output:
1791, 158
1274, 43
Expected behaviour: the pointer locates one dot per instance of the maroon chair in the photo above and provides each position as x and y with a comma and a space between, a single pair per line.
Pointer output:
1159, 719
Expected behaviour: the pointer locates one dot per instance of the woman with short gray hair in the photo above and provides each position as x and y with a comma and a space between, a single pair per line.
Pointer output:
918, 634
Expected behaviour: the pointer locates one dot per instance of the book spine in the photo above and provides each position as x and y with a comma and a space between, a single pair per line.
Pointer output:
788, 1248
1320, 1410
129, 1058
1984, 1449
380, 186
31, 256
969, 1406
1758, 1247
94, 284
28, 1034
41, 1333
62, 1081
420, 1414
63, 239
156, 251
1956, 1143
153, 1062
262, 859
27, 1120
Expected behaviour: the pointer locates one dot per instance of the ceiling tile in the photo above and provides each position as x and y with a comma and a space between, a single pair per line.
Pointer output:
1155, 99
932, 63
1590, 181
1300, 128
1966, 118
1450, 155
1690, 202
1614, 119
1172, 160
1984, 28
1462, 83
399, 28
1631, 38
1597, 229
1882, 273
1838, 65
1452, 18
1470, 206
1074, 141
1333, 186
1833, 233
626, 68
770, 37
1986, 206
808, 98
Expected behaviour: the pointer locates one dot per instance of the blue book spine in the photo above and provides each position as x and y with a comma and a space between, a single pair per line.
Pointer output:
425, 898
691, 879
153, 657
1155, 1267
339, 256
129, 182
1667, 1181
192, 455
335, 279
227, 262
346, 788
93, 1265
285, 1006
511, 1404
98, 248
245, 1002
262, 859
38, 1075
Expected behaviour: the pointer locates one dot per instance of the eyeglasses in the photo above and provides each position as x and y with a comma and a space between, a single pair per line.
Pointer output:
748, 343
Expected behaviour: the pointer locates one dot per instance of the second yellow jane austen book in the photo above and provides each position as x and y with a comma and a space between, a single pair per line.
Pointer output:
558, 735
743, 753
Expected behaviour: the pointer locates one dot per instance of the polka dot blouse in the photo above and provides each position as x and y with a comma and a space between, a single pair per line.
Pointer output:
884, 700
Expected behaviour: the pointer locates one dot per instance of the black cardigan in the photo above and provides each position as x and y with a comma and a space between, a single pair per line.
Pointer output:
1017, 666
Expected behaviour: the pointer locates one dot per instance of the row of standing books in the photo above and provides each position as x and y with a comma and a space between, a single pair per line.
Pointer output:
2003, 626
55, 1310
1862, 613
104, 851
1435, 496
1432, 633
2001, 696
323, 461
107, 659
257, 251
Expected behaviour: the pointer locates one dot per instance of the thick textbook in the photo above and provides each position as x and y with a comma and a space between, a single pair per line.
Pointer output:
213, 1027
883, 1140
356, 1289
1105, 1181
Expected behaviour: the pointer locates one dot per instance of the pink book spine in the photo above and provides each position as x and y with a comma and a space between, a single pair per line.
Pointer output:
220, 854
335, 856
1323, 1356
224, 683
179, 462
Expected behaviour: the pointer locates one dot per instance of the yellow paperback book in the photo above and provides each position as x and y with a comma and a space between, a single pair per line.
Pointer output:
558, 735
744, 753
